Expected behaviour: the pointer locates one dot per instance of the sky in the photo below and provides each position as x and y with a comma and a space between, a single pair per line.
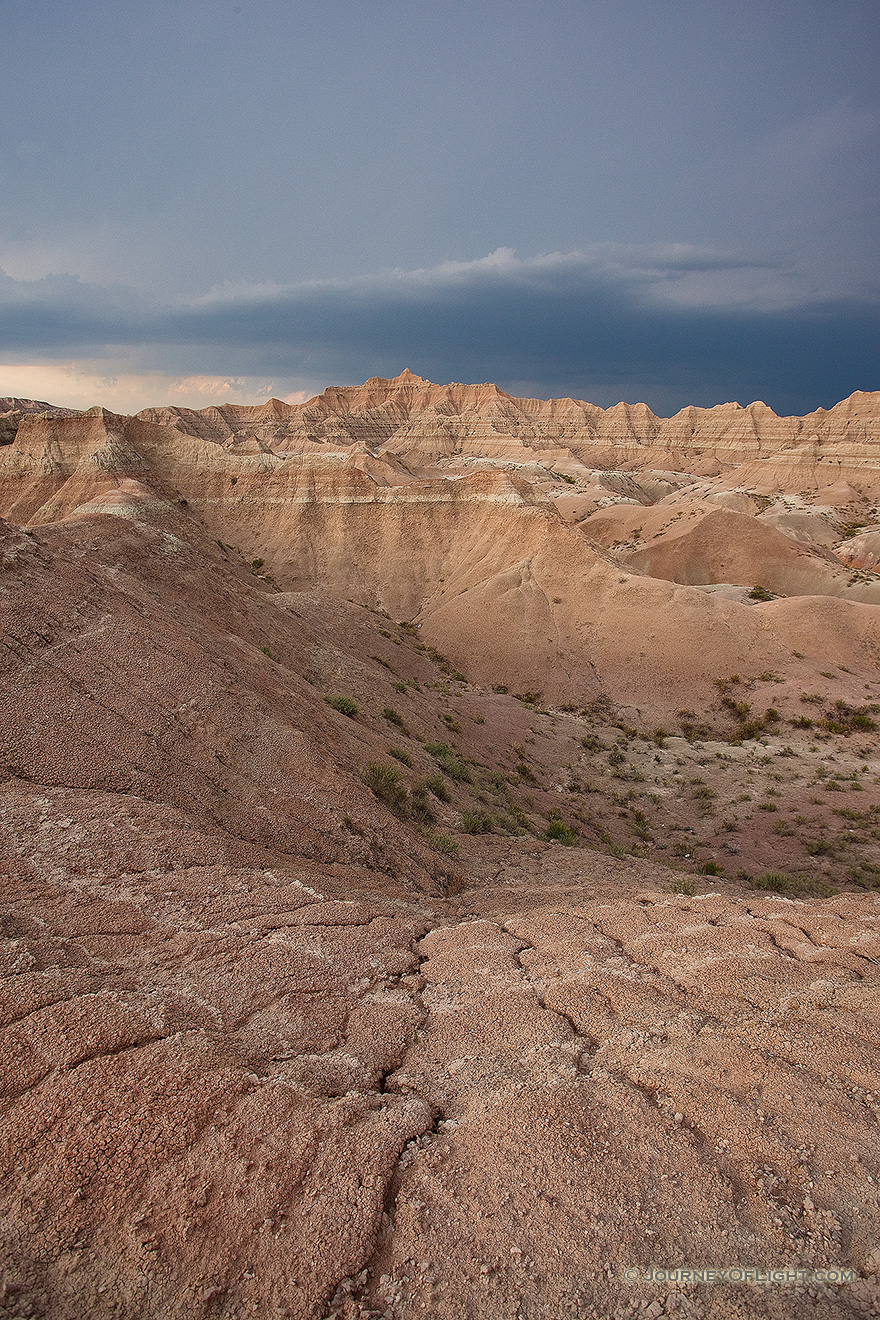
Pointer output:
651, 200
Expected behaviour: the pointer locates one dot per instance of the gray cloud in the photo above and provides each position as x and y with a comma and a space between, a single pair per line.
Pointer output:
669, 324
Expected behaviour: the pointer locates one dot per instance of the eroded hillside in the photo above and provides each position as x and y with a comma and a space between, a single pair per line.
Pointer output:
441, 847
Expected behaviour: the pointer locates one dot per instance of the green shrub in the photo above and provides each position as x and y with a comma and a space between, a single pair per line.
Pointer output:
392, 717
385, 782
684, 885
420, 806
761, 593
400, 755
436, 784
476, 822
448, 762
846, 719
442, 843
345, 705
774, 880
557, 832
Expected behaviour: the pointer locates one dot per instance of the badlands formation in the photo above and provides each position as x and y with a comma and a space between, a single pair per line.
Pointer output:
440, 838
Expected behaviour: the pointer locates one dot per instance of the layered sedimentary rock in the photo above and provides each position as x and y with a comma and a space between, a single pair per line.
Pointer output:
339, 982
413, 417
532, 571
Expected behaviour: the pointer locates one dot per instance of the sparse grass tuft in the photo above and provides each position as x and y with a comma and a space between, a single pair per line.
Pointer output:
345, 705
448, 762
436, 784
476, 822
385, 782
420, 805
442, 843
557, 832
773, 880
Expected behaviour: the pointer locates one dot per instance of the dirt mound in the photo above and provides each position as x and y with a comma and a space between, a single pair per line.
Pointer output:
723, 546
861, 550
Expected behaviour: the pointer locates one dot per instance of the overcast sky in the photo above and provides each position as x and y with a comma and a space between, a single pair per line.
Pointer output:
652, 200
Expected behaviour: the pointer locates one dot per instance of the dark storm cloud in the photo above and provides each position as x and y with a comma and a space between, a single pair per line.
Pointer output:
167, 147
667, 324
61, 313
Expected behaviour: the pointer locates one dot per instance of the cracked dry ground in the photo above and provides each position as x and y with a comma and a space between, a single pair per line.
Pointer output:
234, 1089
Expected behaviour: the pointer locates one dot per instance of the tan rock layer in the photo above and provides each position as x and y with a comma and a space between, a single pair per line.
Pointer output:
411, 415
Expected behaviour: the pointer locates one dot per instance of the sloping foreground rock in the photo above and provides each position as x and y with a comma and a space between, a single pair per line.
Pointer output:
233, 1090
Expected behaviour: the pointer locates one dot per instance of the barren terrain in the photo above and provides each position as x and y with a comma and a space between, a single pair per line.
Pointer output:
441, 851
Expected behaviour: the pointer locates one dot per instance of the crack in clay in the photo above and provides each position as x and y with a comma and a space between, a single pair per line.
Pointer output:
591, 1044
353, 1285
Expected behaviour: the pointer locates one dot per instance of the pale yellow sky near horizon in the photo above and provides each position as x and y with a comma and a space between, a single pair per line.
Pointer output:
67, 385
